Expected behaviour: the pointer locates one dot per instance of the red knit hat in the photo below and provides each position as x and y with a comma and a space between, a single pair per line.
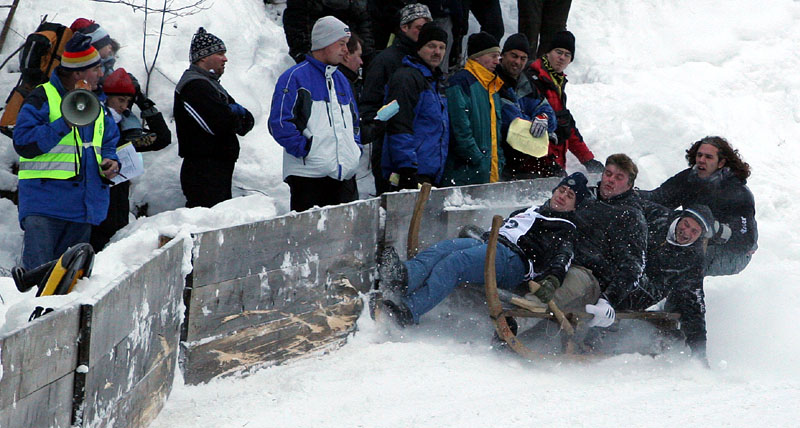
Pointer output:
119, 83
80, 24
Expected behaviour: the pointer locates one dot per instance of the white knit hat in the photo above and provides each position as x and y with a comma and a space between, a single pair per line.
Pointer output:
327, 30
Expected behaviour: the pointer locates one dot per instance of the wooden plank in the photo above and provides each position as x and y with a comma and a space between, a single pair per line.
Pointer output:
290, 337
145, 311
147, 300
50, 406
140, 406
236, 252
129, 372
37, 355
231, 305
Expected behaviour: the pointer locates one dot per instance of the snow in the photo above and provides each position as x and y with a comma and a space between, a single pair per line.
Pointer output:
650, 77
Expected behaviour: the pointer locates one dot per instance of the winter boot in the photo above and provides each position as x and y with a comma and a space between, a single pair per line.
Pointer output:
392, 273
397, 312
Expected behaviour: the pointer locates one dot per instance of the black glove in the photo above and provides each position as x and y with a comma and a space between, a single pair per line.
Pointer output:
594, 166
547, 288
408, 179
246, 123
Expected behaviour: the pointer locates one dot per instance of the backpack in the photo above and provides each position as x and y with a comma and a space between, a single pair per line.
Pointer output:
39, 55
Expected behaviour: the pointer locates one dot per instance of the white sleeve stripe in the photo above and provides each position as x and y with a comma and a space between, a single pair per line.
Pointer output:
197, 118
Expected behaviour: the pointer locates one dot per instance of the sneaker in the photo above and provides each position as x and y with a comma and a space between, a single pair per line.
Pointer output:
397, 312
392, 273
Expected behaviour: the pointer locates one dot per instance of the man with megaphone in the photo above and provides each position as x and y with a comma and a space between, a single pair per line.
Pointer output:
67, 146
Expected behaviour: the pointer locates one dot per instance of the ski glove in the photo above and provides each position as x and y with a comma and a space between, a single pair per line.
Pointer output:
539, 125
594, 166
603, 314
547, 288
721, 233
237, 109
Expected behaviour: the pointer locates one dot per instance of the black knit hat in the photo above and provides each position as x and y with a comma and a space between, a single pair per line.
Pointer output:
431, 31
480, 44
564, 40
703, 215
577, 182
517, 41
204, 44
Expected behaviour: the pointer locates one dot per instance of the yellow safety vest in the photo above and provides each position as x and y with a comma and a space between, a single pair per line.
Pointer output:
64, 160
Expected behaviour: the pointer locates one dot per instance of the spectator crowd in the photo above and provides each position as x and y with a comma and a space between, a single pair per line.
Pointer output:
392, 77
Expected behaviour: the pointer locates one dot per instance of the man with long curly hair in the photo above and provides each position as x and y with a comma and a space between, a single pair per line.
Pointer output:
716, 177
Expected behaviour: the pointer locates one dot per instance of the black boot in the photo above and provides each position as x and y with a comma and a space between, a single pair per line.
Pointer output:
398, 312
392, 273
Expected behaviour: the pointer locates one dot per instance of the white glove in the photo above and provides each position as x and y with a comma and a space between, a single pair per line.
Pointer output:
603, 314
539, 125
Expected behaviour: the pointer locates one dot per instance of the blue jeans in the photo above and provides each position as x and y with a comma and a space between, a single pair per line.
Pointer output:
436, 271
47, 238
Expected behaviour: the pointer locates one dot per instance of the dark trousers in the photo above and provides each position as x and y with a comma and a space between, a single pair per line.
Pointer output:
47, 238
117, 218
489, 16
307, 192
206, 181
539, 20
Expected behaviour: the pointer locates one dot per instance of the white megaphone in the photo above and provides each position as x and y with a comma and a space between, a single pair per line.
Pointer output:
80, 107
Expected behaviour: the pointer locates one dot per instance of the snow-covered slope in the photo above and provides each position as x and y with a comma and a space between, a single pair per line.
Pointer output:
650, 77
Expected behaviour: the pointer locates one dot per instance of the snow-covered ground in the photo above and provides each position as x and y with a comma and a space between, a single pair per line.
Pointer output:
650, 77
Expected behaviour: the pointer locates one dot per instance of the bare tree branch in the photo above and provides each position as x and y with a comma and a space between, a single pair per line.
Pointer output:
189, 9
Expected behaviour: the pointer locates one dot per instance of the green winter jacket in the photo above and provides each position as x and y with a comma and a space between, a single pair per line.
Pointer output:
474, 105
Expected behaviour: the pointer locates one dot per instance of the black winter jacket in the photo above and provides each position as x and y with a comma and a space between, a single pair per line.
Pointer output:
205, 124
675, 273
300, 16
376, 78
548, 244
651, 210
726, 195
611, 242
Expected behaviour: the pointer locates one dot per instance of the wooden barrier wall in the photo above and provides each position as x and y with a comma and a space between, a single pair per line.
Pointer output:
258, 294
265, 292
125, 344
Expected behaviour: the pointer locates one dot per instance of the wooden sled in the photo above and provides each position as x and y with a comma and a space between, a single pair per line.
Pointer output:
573, 323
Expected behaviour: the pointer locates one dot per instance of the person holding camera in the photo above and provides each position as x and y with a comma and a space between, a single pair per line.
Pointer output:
64, 169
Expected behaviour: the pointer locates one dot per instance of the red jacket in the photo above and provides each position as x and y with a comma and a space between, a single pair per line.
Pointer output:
569, 138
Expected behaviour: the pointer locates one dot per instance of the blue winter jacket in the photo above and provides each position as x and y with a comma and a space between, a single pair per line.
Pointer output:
418, 135
522, 100
315, 118
82, 199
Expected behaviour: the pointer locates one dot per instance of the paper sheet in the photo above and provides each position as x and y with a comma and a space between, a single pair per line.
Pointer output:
132, 164
520, 138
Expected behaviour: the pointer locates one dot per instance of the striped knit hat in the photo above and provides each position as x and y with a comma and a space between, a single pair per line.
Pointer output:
100, 37
79, 54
